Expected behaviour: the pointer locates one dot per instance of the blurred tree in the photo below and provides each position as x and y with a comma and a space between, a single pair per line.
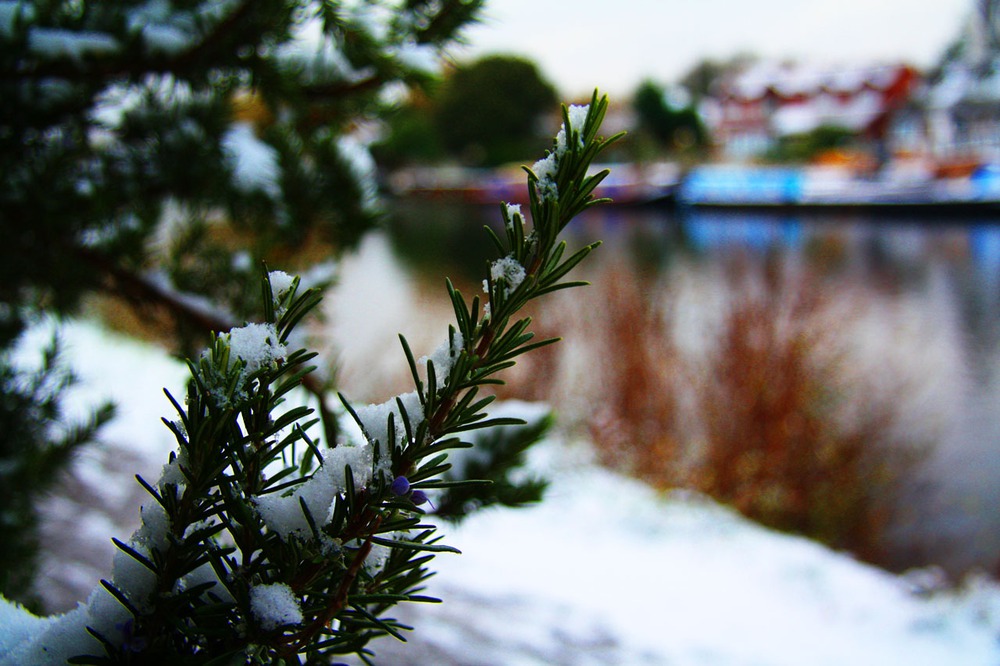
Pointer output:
670, 119
701, 78
489, 112
158, 152
36, 443
411, 135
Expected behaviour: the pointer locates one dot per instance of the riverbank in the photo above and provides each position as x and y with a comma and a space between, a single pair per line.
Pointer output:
731, 187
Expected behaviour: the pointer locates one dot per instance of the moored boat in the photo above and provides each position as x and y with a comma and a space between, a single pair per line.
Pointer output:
740, 186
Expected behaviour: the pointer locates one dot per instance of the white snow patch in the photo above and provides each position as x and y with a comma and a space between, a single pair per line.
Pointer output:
546, 169
257, 344
172, 474
105, 364
58, 640
281, 282
375, 418
513, 212
254, 162
133, 578
443, 358
59, 43
283, 513
616, 573
19, 625
605, 570
275, 605
577, 116
508, 272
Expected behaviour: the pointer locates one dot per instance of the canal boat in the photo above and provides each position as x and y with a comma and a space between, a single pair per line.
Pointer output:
773, 187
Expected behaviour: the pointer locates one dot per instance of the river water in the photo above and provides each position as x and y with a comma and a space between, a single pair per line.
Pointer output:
914, 302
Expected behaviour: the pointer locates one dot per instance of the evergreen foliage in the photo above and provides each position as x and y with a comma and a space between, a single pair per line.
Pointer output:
159, 151
264, 544
236, 114
496, 457
33, 450
412, 137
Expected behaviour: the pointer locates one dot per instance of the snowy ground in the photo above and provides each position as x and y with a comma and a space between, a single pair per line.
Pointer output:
605, 571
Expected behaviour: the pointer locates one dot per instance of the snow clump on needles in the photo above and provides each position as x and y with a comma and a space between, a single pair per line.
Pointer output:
547, 168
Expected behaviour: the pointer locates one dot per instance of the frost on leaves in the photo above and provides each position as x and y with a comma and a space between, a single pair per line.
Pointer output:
507, 272
547, 168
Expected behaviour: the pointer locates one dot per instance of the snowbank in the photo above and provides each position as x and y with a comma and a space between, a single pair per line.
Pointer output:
607, 571
604, 571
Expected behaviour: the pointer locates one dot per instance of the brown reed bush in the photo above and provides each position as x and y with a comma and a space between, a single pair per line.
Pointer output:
772, 420
785, 440
634, 427
624, 393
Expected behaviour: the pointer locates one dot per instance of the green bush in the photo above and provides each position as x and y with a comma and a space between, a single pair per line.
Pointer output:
158, 152
263, 544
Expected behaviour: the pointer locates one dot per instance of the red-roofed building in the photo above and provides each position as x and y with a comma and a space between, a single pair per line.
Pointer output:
766, 101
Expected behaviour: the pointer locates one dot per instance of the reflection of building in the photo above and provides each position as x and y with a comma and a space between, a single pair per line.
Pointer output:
766, 101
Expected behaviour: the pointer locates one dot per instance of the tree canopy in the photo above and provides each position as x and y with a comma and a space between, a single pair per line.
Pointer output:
675, 126
489, 111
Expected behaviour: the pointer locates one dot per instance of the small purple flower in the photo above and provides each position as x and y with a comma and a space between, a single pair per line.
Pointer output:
400, 486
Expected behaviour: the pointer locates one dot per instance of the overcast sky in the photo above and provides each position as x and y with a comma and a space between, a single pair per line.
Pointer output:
614, 44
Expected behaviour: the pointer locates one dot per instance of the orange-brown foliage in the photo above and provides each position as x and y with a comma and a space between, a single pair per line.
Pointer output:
634, 426
779, 431
776, 443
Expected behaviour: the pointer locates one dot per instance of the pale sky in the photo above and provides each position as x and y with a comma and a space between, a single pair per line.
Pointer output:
615, 44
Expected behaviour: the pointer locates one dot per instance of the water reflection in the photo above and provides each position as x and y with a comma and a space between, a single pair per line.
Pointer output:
919, 297
710, 232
